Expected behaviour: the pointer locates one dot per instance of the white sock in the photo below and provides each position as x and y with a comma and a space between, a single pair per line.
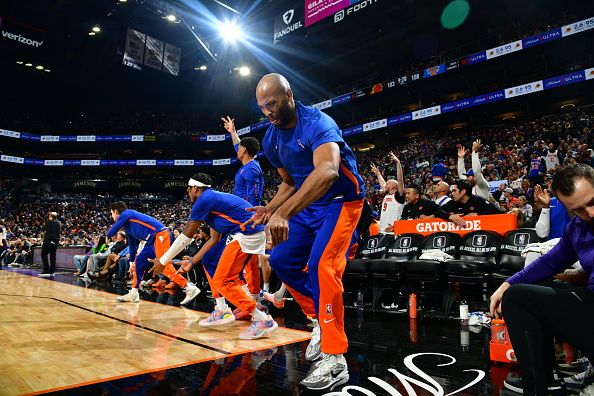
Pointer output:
134, 291
259, 315
280, 294
221, 303
266, 287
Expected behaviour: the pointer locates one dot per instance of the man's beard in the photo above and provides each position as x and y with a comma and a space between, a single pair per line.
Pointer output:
285, 115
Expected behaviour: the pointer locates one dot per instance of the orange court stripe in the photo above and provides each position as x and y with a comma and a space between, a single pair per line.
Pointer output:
150, 227
229, 219
350, 176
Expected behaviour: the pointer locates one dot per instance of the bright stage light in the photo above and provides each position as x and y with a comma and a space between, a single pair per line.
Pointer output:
91, 33
39, 67
28, 64
244, 71
230, 31
171, 18
96, 29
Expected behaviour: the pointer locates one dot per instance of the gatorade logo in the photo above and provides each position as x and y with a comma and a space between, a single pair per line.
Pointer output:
510, 355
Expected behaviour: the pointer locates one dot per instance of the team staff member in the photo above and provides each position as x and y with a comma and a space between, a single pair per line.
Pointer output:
536, 314
147, 237
468, 204
311, 218
420, 208
51, 238
225, 214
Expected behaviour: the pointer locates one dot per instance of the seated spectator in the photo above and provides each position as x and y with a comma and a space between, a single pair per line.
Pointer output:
471, 205
420, 208
442, 197
113, 258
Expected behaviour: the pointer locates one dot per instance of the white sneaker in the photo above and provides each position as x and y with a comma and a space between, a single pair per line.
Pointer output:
577, 381
314, 350
191, 292
132, 296
218, 318
331, 372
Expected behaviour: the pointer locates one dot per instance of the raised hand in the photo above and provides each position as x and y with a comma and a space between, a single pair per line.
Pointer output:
229, 124
261, 216
461, 151
542, 196
393, 157
476, 145
374, 169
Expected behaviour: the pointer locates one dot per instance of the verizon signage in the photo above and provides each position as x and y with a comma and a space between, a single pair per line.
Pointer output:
287, 23
21, 33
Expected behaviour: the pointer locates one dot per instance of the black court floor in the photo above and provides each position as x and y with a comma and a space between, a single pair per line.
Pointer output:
389, 354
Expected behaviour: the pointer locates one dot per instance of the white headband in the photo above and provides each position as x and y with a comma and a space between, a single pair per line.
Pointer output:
196, 183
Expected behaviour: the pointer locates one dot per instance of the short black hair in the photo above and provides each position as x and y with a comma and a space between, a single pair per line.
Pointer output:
205, 229
565, 178
415, 187
203, 178
251, 145
464, 185
118, 206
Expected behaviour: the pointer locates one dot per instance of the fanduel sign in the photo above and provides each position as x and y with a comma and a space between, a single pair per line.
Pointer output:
340, 15
21, 39
285, 24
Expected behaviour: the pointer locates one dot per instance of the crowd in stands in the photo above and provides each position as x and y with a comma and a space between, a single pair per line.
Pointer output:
508, 155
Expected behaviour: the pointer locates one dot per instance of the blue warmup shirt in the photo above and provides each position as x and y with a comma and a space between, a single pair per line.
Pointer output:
292, 149
249, 182
138, 226
223, 212
558, 218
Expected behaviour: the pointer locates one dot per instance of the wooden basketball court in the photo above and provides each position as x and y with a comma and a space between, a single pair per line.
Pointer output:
59, 336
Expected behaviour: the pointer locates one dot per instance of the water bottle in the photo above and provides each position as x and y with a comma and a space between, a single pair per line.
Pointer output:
412, 306
360, 301
464, 313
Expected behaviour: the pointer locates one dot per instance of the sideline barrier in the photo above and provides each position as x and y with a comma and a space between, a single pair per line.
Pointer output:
498, 223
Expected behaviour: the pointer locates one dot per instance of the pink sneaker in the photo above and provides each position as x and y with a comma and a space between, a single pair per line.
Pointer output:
218, 318
259, 329
271, 297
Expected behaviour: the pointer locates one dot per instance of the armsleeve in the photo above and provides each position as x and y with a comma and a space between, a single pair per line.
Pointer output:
558, 259
461, 170
118, 224
543, 226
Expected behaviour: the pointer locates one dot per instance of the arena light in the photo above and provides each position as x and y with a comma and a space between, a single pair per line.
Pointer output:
171, 18
47, 70
202, 67
123, 1
96, 29
230, 31
244, 71
39, 67
20, 62
28, 64
92, 33
568, 105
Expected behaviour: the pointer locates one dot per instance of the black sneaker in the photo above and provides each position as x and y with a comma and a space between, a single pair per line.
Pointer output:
515, 384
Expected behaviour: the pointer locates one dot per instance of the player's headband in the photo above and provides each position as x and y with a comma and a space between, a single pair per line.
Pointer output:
196, 183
